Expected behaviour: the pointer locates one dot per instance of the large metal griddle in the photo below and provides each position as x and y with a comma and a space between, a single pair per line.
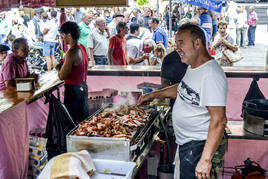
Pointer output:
115, 148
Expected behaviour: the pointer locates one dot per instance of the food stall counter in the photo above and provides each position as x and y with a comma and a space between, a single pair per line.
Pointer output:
232, 72
11, 97
16, 119
129, 70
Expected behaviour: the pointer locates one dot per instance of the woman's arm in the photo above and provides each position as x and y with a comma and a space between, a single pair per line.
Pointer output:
216, 44
230, 46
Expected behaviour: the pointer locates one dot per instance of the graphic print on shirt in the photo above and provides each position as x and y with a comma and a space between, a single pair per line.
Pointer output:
188, 95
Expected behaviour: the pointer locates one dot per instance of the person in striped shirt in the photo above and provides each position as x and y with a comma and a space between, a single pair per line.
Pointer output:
252, 22
205, 21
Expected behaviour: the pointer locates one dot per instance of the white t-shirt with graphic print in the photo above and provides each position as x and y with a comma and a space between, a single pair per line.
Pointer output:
203, 86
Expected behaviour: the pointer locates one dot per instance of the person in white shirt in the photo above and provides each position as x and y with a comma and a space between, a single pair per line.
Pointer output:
198, 115
112, 26
98, 41
135, 54
50, 28
69, 16
35, 34
78, 15
144, 32
241, 27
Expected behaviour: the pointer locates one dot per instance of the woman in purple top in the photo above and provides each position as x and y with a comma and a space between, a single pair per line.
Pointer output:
15, 65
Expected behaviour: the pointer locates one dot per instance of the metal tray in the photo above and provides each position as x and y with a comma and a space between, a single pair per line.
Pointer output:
110, 148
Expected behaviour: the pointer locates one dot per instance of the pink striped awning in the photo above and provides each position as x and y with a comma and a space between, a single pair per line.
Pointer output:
8, 4
37, 3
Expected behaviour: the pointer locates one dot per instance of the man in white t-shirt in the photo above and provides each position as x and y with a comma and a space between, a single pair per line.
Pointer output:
199, 112
135, 54
49, 29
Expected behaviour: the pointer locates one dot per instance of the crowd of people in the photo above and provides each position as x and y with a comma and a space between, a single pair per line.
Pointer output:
120, 36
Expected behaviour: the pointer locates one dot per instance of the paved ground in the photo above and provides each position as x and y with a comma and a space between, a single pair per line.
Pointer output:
256, 56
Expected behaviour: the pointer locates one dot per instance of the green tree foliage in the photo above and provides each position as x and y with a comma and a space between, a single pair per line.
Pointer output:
142, 2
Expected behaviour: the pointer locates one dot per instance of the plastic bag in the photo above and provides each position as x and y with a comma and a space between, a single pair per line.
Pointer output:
254, 92
59, 124
37, 155
69, 165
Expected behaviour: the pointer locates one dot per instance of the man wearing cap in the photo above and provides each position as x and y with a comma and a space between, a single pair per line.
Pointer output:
3, 52
34, 27
112, 26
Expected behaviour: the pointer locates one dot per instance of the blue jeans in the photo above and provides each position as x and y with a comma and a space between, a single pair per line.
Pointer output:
48, 48
251, 35
100, 60
190, 154
215, 29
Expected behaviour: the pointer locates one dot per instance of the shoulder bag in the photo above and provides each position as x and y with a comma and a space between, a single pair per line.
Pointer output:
232, 56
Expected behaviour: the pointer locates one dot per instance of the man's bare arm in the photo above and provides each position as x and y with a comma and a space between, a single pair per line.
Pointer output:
136, 60
168, 92
91, 56
215, 133
109, 55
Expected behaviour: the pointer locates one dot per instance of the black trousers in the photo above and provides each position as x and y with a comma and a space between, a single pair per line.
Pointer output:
76, 101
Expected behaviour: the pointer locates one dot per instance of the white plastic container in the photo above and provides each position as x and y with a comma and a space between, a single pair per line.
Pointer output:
112, 166
24, 84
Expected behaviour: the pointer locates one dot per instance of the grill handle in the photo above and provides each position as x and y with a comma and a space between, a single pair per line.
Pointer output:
251, 105
163, 115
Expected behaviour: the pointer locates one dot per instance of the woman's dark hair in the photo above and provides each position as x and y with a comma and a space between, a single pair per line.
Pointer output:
70, 28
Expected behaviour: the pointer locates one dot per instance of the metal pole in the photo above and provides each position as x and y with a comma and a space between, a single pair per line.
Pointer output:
193, 9
170, 19
157, 8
